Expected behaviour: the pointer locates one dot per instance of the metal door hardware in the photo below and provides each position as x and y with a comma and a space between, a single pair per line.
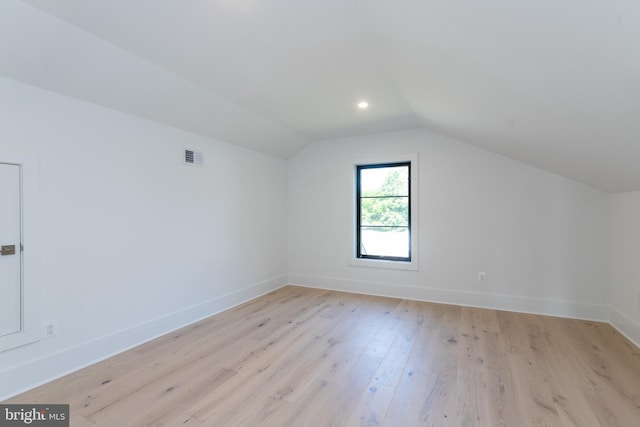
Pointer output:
7, 250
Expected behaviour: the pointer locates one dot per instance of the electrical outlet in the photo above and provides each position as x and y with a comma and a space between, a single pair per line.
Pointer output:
482, 277
51, 328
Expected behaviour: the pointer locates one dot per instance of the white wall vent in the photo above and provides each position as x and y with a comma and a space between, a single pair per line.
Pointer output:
193, 157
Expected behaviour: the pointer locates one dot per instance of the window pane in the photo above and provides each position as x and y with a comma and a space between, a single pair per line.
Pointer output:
387, 211
387, 181
383, 203
384, 241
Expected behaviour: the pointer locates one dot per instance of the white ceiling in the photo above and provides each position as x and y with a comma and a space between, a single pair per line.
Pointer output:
553, 83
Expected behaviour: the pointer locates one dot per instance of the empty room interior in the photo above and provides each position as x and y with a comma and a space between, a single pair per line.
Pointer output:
335, 213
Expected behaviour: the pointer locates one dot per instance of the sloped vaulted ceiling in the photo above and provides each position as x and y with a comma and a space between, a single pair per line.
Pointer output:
555, 84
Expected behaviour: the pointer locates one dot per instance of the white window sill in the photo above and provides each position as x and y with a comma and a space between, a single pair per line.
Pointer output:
18, 339
377, 263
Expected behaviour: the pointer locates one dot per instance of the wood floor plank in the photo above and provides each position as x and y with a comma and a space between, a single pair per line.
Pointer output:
611, 409
343, 395
163, 398
472, 406
425, 394
84, 381
302, 356
439, 408
535, 398
373, 405
78, 421
573, 406
499, 383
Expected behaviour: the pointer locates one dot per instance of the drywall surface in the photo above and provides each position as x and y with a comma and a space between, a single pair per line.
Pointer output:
133, 243
542, 239
625, 264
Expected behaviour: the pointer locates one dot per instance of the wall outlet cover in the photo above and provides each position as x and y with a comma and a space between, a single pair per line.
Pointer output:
51, 328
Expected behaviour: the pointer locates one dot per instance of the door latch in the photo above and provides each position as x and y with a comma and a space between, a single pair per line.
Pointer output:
7, 250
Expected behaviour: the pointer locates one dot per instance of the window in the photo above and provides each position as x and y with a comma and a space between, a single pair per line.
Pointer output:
383, 211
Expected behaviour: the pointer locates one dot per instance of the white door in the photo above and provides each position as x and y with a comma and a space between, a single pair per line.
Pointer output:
10, 254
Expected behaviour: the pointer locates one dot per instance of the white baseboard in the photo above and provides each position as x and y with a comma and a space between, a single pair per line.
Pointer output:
626, 326
559, 308
52, 366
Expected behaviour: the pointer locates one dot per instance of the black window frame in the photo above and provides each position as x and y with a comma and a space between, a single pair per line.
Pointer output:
359, 226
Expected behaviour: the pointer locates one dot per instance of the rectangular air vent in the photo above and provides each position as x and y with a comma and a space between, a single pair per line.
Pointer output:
193, 157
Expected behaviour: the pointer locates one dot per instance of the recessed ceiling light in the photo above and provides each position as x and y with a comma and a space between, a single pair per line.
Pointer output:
363, 105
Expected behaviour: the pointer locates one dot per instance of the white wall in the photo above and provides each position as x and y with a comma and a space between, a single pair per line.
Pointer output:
542, 239
625, 264
134, 243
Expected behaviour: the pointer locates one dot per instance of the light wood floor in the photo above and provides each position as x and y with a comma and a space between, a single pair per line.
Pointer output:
308, 357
